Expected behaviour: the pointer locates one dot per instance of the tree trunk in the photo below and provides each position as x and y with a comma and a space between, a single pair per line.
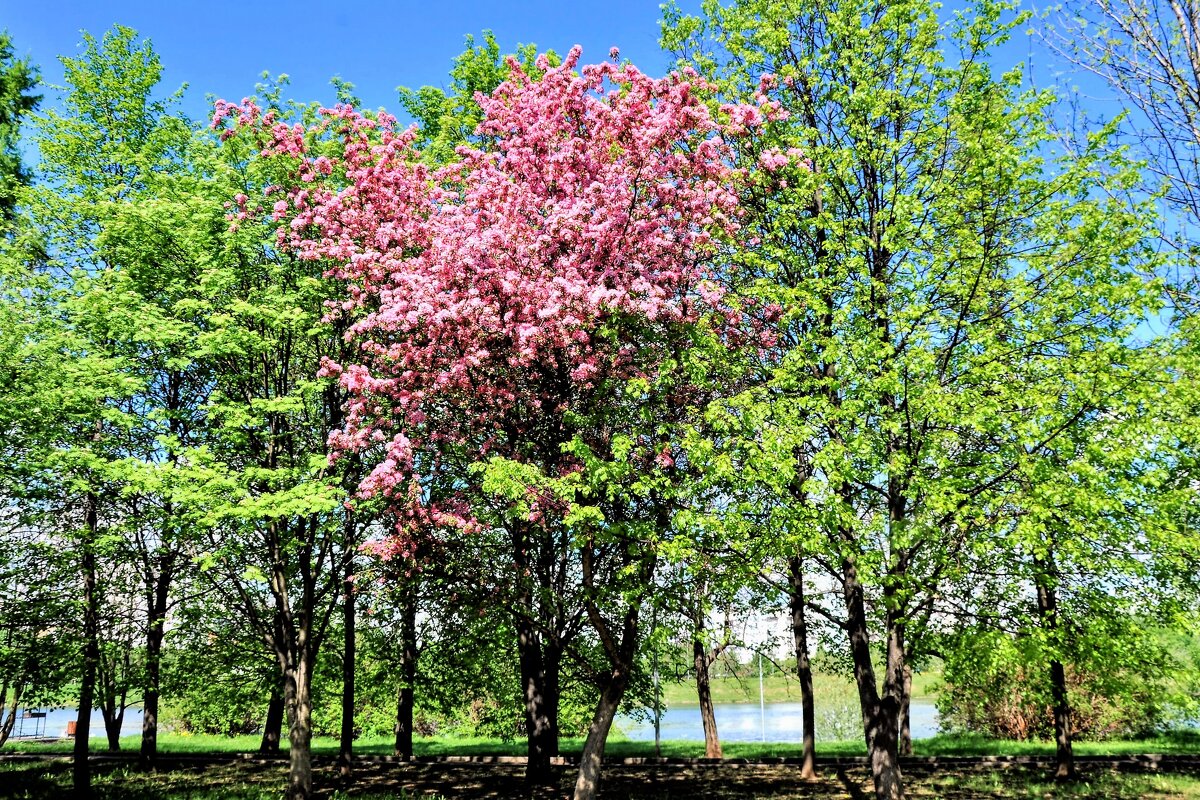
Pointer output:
905, 748
8, 711
408, 675
273, 725
539, 728
1046, 577
590, 762
112, 727
808, 769
708, 718
158, 594
148, 753
880, 724
346, 739
81, 775
298, 694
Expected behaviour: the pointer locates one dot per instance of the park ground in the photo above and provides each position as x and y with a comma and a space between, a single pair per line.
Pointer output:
209, 768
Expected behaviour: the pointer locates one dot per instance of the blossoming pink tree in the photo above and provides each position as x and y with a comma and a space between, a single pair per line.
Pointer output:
531, 314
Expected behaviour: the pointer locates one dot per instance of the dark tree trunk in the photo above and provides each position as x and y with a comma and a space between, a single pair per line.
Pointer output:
808, 769
273, 725
81, 776
408, 675
113, 719
880, 723
148, 753
700, 660
1046, 579
158, 594
539, 726
905, 748
346, 739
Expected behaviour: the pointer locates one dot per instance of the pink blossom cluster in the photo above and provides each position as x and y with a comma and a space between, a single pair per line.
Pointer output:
492, 296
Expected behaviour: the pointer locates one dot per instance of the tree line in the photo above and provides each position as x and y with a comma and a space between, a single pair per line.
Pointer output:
838, 318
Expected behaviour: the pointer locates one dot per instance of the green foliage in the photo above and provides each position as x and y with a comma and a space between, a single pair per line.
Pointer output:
1124, 677
18, 78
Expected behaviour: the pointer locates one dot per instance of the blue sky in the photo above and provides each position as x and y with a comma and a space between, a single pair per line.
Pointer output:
221, 47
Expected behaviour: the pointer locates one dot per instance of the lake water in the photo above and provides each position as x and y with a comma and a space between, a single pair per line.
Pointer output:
57, 719
742, 722
736, 722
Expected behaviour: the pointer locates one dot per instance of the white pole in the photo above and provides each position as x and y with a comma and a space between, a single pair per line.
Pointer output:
762, 703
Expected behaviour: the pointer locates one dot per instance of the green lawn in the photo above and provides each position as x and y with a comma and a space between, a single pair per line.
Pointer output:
1181, 742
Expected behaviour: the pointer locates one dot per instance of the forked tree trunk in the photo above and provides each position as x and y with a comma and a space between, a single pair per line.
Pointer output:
880, 714
408, 676
700, 660
81, 775
273, 724
808, 768
113, 719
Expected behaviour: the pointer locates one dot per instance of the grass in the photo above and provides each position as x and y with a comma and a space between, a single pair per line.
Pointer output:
1178, 742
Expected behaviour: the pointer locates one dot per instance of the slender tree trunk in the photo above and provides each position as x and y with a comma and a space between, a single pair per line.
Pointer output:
408, 675
808, 769
708, 717
905, 748
880, 724
158, 594
148, 753
8, 711
298, 694
346, 739
1047, 598
273, 725
81, 775
592, 759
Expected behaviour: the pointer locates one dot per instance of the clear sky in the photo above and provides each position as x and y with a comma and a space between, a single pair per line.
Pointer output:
222, 46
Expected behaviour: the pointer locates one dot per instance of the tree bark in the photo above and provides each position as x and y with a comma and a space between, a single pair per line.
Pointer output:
592, 758
708, 717
808, 769
540, 729
113, 720
1046, 578
905, 747
298, 696
346, 739
880, 724
273, 725
148, 753
81, 775
8, 711
408, 676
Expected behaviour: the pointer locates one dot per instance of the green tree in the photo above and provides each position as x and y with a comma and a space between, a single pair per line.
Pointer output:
939, 274
18, 78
